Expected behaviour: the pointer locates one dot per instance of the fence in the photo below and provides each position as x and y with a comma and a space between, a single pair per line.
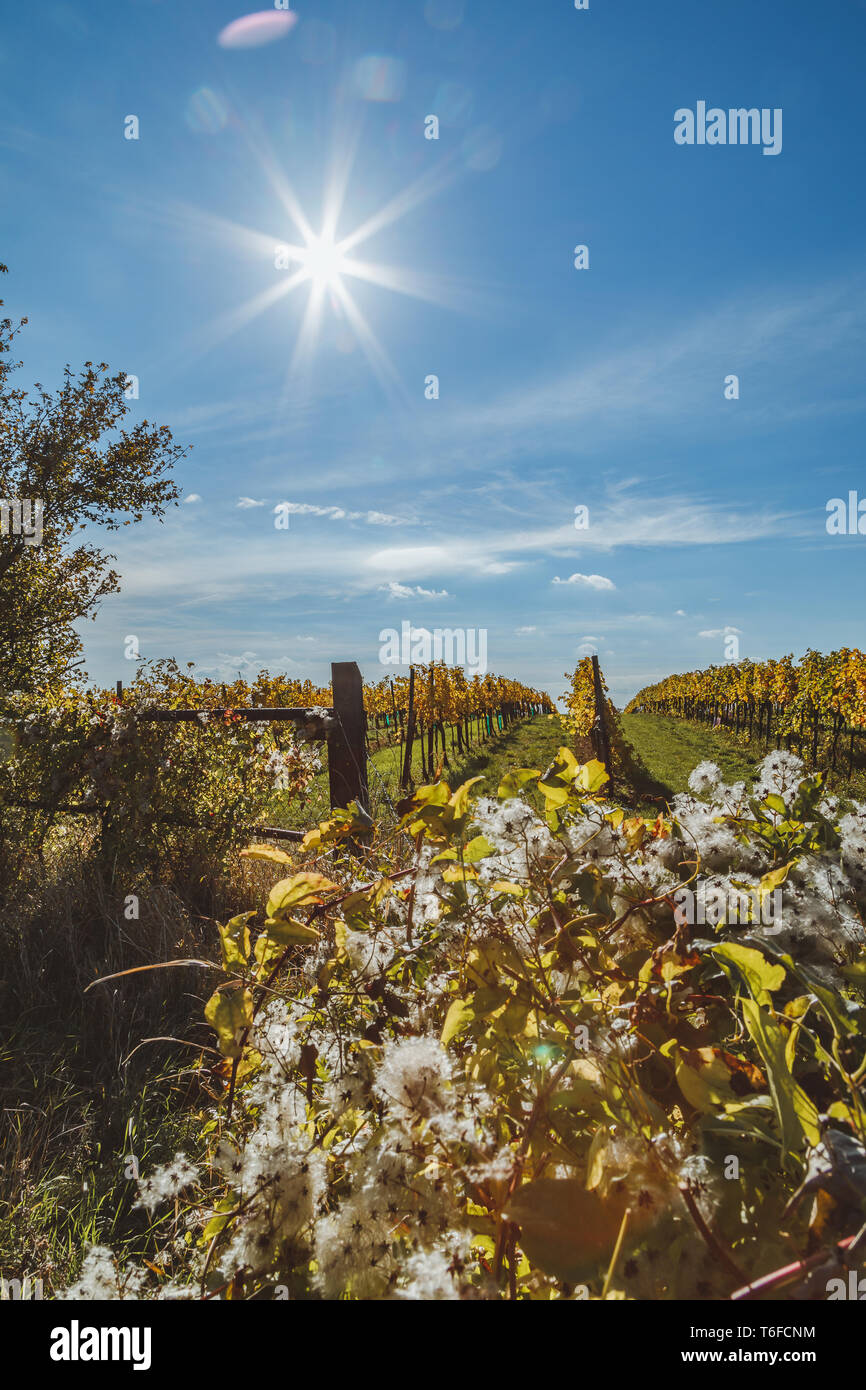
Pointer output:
402, 727
343, 727
762, 720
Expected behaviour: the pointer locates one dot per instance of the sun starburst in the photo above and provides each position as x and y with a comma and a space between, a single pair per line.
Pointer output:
322, 263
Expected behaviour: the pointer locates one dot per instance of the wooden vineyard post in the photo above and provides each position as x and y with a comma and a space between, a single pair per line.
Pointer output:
599, 734
347, 744
431, 732
397, 729
410, 732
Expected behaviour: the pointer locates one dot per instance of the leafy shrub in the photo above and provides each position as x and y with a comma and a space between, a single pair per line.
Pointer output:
487, 1055
160, 794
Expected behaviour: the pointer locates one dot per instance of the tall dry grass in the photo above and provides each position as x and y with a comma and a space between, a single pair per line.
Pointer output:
91, 1076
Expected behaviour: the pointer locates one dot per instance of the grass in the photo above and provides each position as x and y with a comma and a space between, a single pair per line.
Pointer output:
90, 1078
670, 749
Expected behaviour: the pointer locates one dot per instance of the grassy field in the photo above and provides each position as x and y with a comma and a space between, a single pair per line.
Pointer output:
670, 749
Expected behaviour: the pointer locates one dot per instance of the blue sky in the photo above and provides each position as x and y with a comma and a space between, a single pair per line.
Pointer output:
558, 387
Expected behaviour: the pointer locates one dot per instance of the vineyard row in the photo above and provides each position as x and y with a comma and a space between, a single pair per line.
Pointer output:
816, 705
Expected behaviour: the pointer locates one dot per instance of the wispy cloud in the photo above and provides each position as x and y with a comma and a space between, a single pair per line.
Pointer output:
334, 513
664, 378
721, 632
395, 590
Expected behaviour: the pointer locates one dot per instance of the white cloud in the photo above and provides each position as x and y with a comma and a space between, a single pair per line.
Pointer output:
721, 632
592, 581
249, 502
414, 557
237, 663
499, 566
192, 497
372, 518
524, 631
680, 613
395, 590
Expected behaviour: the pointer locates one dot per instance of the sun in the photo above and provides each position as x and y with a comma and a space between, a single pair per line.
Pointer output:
326, 265
324, 261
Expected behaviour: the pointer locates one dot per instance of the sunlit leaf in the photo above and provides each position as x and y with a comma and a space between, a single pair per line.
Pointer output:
567, 1231
298, 891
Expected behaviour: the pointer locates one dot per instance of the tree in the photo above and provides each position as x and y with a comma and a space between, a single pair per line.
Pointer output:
65, 464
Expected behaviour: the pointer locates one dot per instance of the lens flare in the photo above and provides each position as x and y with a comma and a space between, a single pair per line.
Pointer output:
206, 112
254, 30
379, 78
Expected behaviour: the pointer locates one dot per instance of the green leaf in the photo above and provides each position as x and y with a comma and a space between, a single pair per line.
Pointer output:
775, 878
458, 1017
459, 873
266, 952
503, 886
229, 1011
433, 794
555, 795
297, 891
477, 849
285, 931
459, 802
515, 779
268, 853
856, 972
215, 1225
841, 1014
759, 975
235, 939
795, 1112
702, 1077
566, 1231
592, 776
